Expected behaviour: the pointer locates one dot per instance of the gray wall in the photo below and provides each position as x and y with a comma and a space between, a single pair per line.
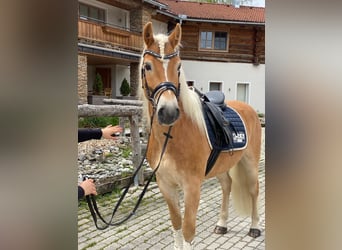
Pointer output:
229, 74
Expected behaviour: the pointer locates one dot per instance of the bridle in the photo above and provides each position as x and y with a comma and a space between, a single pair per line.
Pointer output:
163, 86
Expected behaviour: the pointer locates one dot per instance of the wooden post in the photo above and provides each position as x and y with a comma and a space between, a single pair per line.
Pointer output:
136, 149
122, 124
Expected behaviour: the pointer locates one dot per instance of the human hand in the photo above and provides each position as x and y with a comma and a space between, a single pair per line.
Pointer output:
110, 130
89, 187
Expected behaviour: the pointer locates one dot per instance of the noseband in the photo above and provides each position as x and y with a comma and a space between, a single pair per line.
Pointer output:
163, 86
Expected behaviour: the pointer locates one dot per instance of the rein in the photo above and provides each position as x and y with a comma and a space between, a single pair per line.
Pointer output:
162, 87
91, 198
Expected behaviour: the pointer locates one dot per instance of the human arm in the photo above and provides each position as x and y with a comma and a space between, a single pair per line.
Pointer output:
85, 134
108, 132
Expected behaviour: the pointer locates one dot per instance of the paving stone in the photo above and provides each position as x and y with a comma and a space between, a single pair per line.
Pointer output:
214, 245
150, 228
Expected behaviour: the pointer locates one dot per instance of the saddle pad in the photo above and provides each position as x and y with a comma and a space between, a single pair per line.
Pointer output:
236, 126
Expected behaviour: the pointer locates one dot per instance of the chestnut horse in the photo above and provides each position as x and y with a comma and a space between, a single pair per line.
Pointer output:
169, 103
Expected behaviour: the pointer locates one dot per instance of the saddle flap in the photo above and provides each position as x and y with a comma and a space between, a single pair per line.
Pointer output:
216, 97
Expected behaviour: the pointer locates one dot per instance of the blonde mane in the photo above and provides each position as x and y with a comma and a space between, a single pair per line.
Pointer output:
189, 99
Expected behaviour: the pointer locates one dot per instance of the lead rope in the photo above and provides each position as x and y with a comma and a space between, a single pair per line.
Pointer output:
91, 198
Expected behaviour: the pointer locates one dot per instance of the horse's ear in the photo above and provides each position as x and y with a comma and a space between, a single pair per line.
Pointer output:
148, 34
175, 36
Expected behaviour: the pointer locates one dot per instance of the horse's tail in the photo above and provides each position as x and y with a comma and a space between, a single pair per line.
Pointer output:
241, 193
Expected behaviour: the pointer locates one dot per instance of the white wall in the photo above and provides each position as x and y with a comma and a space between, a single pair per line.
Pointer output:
229, 74
159, 27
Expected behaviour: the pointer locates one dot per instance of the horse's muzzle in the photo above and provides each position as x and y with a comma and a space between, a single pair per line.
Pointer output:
168, 115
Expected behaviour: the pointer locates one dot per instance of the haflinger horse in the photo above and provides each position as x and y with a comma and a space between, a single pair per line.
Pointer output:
169, 103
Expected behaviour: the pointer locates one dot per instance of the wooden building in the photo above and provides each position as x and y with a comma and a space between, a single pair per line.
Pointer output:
110, 44
223, 46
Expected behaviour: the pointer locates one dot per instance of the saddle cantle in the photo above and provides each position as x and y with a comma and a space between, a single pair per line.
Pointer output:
216, 97
225, 128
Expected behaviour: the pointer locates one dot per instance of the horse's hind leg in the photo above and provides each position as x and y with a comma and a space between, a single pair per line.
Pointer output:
246, 182
225, 181
253, 187
254, 231
171, 197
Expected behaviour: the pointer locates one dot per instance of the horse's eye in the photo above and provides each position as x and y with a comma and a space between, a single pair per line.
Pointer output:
148, 66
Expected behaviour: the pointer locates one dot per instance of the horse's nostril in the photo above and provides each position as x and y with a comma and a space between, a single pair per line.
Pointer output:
161, 111
168, 116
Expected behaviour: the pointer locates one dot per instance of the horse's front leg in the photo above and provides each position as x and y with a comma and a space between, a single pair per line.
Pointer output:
225, 181
171, 197
191, 201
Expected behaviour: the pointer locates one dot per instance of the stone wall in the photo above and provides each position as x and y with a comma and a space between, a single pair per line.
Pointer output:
82, 79
139, 17
146, 16
136, 20
134, 77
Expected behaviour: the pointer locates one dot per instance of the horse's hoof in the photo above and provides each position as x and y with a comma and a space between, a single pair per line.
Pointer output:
220, 230
254, 232
188, 246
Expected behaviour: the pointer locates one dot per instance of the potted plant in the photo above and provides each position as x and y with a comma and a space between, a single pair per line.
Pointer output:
125, 89
98, 85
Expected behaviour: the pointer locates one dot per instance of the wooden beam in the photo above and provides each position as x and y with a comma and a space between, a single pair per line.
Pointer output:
87, 110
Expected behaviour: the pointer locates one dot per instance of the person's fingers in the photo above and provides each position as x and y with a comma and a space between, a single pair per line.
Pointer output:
118, 129
93, 189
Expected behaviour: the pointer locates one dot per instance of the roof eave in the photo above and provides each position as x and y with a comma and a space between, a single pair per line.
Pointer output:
192, 19
156, 3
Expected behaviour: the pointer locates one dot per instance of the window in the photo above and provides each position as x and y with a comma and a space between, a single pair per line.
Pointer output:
190, 83
206, 40
215, 86
213, 40
92, 13
242, 92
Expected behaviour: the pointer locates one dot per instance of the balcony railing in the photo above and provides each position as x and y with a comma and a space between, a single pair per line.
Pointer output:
118, 37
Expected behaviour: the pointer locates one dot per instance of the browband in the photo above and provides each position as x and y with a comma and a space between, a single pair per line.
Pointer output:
155, 54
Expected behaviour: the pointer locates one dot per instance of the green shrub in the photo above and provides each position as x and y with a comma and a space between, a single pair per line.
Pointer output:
125, 89
98, 85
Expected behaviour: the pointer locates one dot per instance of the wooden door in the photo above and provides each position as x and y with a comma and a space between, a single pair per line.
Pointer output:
106, 76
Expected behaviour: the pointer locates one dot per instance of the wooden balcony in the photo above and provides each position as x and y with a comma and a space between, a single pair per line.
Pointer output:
116, 37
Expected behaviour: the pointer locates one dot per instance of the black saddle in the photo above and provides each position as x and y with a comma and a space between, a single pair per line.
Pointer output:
213, 107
